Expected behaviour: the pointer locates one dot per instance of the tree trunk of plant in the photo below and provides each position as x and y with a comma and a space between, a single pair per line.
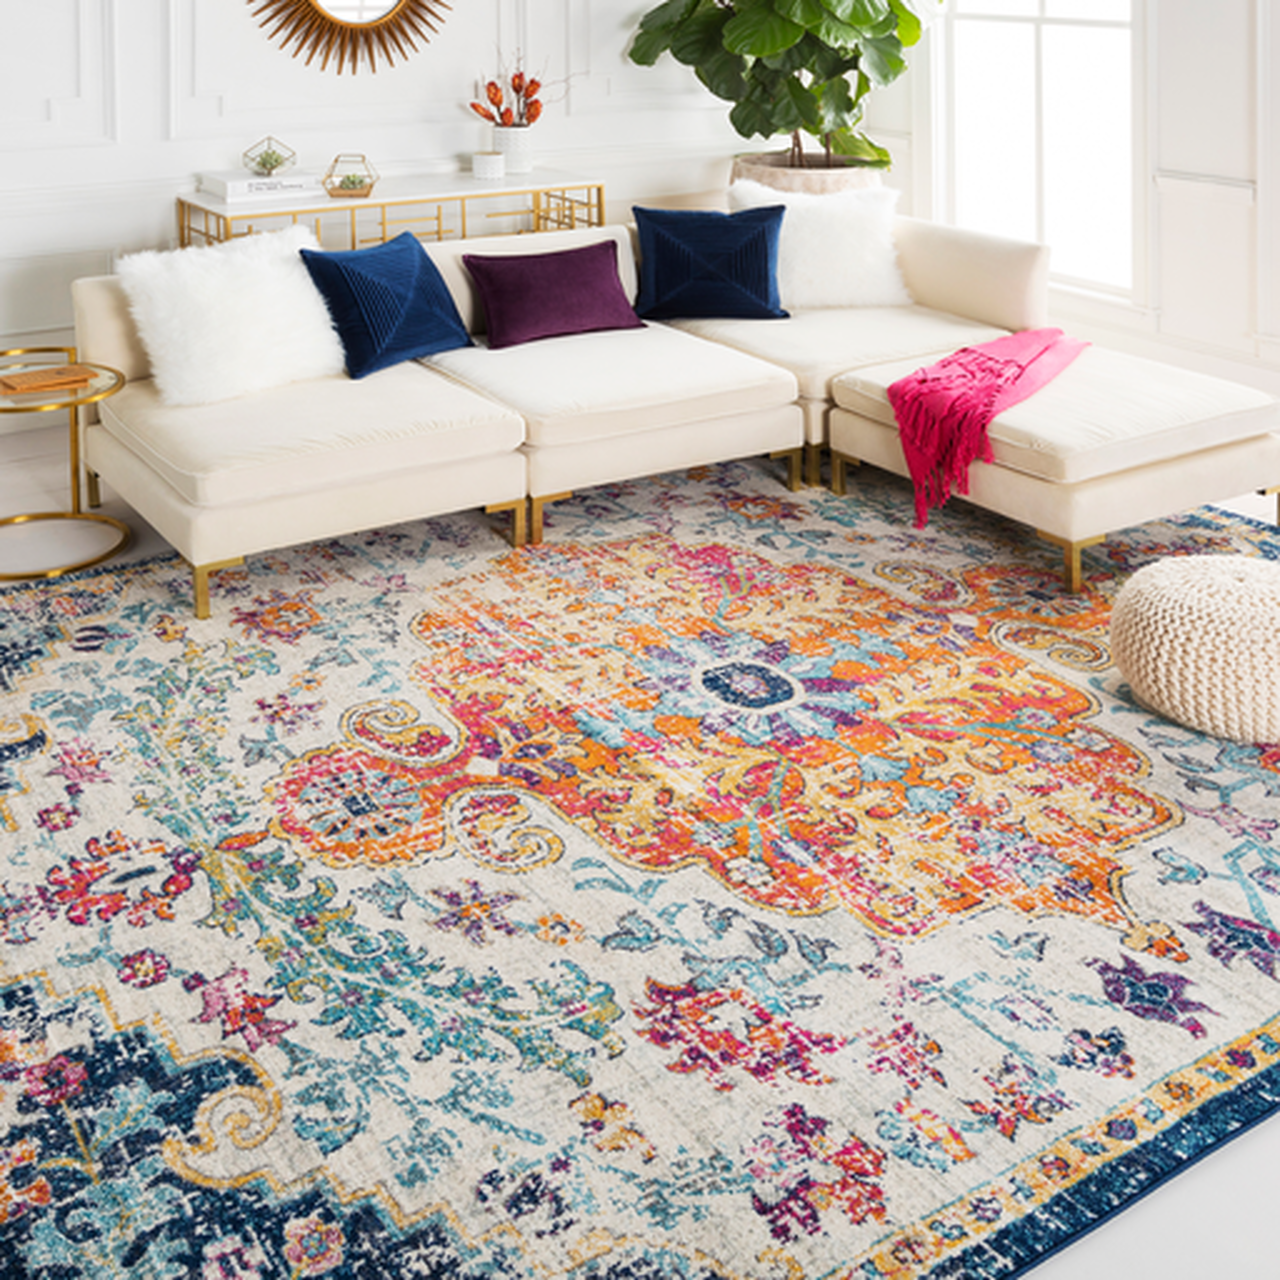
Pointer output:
795, 157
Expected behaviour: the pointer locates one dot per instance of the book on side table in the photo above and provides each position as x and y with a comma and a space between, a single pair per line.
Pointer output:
60, 377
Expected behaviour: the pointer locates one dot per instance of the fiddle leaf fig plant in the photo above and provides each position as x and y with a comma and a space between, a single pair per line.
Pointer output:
790, 66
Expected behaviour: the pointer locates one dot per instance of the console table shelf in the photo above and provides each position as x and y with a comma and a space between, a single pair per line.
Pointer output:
432, 206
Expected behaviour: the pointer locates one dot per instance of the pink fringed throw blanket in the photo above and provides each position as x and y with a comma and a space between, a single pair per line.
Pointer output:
943, 410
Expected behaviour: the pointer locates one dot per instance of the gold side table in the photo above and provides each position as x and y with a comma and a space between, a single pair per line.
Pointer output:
104, 382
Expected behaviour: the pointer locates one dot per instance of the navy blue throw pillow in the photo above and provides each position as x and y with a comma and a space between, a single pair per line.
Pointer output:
701, 263
389, 303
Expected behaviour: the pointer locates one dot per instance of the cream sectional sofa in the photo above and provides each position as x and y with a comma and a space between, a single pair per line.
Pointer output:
518, 427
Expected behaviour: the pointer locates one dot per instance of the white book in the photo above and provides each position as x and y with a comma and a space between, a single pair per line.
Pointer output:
240, 184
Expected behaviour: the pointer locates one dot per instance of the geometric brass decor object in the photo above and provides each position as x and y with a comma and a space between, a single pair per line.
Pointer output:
317, 29
268, 156
350, 175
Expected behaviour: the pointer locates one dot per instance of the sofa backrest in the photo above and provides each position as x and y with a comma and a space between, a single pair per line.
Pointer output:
987, 278
105, 331
447, 255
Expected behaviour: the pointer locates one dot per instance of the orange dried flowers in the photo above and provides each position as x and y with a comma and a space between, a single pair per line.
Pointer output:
510, 100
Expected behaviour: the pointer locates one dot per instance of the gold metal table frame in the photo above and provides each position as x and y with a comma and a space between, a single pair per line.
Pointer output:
431, 206
106, 382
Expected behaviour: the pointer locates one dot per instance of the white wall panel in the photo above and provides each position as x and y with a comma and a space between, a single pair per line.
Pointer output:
1205, 77
605, 79
1268, 103
57, 76
1205, 255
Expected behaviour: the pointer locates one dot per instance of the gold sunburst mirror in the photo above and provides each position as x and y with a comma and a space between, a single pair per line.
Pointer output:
346, 32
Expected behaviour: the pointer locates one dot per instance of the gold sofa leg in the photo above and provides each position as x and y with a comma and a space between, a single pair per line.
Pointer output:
519, 525
839, 463
1071, 571
93, 489
794, 459
200, 578
813, 465
535, 513
1273, 491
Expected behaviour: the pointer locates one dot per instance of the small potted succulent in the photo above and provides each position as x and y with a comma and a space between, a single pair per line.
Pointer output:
350, 176
268, 156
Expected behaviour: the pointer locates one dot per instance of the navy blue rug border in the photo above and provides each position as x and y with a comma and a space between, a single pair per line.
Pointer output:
1074, 1213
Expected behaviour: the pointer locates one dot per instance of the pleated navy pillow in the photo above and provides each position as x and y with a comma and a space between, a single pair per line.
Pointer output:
696, 263
388, 303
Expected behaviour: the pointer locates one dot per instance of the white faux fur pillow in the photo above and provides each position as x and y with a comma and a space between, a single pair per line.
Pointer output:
835, 250
231, 318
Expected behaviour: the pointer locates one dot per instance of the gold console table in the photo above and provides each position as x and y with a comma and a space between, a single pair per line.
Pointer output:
432, 206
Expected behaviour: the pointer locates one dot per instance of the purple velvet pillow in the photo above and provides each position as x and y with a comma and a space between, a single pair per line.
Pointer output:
543, 295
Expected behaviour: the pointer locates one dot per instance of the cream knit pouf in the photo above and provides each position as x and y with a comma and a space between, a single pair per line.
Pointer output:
1198, 639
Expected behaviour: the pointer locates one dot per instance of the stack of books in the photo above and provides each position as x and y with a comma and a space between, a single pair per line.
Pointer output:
60, 377
240, 184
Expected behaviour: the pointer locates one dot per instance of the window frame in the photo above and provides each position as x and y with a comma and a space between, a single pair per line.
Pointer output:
934, 176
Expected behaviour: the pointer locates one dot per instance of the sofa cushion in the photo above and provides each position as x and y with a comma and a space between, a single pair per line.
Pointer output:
1106, 412
818, 345
309, 435
835, 250
388, 303
225, 320
544, 295
695, 262
589, 386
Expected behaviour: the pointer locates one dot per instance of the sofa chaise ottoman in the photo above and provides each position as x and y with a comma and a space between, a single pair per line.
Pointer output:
964, 287
1113, 441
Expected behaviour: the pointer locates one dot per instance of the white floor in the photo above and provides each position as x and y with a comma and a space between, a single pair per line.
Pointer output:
1217, 1219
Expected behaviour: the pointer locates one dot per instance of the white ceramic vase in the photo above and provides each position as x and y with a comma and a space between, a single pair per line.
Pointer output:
513, 142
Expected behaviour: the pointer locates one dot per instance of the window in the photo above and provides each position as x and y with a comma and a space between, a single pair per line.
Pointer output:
1040, 129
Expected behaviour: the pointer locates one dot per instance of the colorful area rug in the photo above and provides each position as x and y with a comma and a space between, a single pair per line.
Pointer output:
740, 884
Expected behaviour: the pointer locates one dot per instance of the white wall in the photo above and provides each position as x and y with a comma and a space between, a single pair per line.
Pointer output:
109, 109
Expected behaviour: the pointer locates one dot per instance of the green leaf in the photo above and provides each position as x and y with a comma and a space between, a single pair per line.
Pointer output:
882, 60
839, 35
668, 15
837, 108
760, 31
723, 74
857, 146
868, 13
859, 13
910, 28
807, 13
751, 119
648, 47
805, 105
771, 106
699, 36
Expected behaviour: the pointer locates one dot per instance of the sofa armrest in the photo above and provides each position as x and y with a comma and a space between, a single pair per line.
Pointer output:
105, 331
987, 278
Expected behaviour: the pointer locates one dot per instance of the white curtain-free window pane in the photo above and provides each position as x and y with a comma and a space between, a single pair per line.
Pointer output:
999, 8
1093, 10
1088, 194
995, 128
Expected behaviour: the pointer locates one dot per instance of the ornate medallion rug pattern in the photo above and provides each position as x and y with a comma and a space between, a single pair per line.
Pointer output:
740, 884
